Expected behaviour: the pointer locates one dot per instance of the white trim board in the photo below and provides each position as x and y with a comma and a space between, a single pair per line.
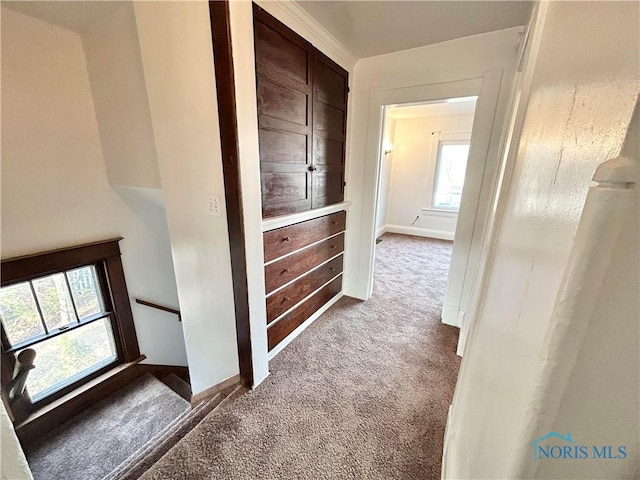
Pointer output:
419, 232
304, 326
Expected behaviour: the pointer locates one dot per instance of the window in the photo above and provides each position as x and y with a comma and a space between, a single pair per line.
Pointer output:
451, 164
70, 306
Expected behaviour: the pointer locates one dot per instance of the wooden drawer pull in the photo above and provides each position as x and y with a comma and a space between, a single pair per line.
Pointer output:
286, 270
332, 269
286, 239
333, 246
285, 299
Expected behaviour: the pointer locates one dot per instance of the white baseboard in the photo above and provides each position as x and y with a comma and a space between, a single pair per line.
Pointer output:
420, 232
381, 231
450, 315
304, 326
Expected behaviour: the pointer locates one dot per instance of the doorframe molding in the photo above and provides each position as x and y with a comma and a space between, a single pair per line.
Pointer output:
488, 89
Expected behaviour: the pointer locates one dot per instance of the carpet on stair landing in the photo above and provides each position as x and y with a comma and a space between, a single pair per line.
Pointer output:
95, 442
363, 393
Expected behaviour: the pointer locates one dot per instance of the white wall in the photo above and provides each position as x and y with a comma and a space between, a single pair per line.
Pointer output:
608, 359
386, 164
120, 98
581, 89
177, 57
412, 174
55, 191
462, 59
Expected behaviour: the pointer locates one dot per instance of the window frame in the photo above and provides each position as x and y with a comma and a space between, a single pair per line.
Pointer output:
106, 257
438, 139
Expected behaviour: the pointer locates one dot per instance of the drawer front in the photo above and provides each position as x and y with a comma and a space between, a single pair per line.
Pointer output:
284, 299
296, 317
286, 269
288, 239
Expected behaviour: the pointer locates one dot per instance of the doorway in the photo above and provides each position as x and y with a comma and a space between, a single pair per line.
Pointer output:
423, 161
478, 188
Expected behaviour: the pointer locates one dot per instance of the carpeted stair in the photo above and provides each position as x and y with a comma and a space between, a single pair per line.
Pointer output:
148, 455
123, 435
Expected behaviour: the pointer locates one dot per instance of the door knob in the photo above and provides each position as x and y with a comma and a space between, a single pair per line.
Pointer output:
312, 168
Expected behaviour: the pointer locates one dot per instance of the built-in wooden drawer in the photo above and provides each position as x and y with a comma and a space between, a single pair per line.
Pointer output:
284, 299
288, 268
296, 317
288, 239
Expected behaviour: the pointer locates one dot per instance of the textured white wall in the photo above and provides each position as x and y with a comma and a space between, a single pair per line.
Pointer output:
177, 56
581, 89
55, 190
120, 98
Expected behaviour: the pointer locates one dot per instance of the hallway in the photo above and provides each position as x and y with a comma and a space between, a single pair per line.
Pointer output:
363, 393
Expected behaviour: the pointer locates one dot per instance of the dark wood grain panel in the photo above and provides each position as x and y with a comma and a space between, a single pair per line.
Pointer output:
282, 147
328, 152
327, 188
329, 84
284, 299
300, 91
281, 187
288, 239
279, 330
282, 102
278, 54
288, 268
328, 118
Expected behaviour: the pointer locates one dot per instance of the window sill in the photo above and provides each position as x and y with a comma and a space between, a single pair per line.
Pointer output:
439, 213
65, 407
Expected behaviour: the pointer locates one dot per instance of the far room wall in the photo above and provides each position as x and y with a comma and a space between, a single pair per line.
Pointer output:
412, 168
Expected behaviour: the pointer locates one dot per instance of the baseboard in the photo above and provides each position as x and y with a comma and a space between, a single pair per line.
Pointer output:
381, 231
304, 326
420, 232
211, 392
450, 315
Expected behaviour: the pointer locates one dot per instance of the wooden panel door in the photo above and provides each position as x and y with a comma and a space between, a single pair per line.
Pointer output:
330, 90
283, 81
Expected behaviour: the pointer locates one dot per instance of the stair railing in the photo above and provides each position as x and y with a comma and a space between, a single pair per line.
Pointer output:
160, 307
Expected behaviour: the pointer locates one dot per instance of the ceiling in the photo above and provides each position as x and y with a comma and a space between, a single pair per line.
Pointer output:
72, 15
436, 109
369, 28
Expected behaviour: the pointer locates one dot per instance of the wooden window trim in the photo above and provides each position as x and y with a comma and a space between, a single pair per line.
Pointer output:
105, 254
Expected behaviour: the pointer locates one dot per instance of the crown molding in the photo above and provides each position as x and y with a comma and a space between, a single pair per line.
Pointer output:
296, 18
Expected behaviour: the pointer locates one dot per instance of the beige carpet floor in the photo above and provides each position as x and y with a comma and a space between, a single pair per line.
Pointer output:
362, 393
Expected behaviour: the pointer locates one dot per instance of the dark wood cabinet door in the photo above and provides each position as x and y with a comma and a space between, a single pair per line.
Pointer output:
302, 108
284, 94
330, 90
